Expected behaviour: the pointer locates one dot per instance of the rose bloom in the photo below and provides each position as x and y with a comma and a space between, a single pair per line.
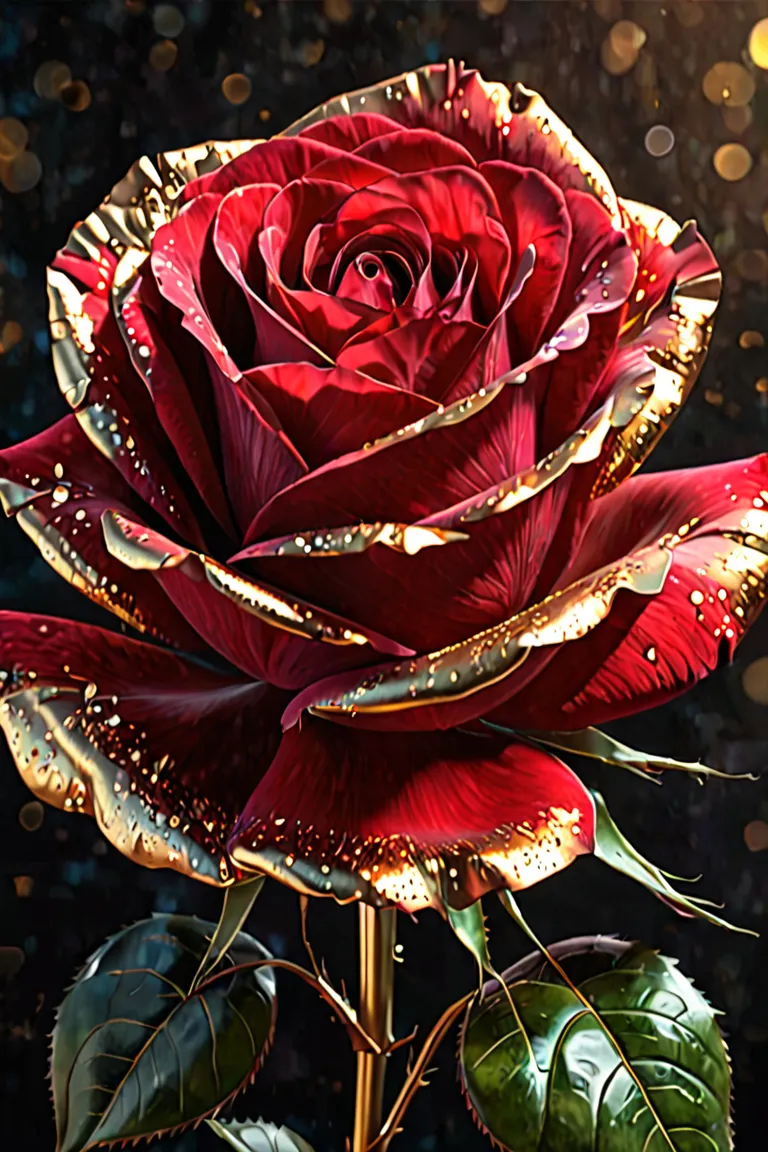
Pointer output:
354, 416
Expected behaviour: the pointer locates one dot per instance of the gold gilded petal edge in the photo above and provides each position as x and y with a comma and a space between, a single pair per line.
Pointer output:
676, 336
57, 750
120, 229
471, 665
398, 870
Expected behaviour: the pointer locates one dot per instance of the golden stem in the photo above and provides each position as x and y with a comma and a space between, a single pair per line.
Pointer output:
377, 965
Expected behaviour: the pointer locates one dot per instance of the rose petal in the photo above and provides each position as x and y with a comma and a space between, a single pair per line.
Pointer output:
394, 818
349, 134
534, 213
279, 639
328, 412
648, 652
58, 487
163, 751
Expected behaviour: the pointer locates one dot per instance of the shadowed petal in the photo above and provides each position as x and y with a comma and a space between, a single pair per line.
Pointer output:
277, 638
161, 750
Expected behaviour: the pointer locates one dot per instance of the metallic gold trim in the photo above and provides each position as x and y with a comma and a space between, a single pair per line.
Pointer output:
356, 538
61, 766
676, 337
627, 399
489, 656
66, 562
440, 87
398, 870
142, 549
121, 229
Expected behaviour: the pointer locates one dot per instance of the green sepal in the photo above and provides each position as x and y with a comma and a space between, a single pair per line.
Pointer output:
239, 898
613, 848
468, 925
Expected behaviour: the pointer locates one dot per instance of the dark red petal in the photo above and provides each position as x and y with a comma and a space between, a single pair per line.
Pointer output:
169, 750
568, 387
258, 629
189, 276
421, 355
173, 369
258, 459
116, 410
328, 412
276, 161
57, 485
649, 651
437, 596
237, 228
405, 478
350, 814
348, 133
534, 212
415, 150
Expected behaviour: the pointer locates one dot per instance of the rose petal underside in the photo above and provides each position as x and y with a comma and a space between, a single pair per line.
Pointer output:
413, 819
163, 751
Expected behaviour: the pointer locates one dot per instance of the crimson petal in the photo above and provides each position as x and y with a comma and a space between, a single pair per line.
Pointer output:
162, 750
649, 651
393, 818
58, 487
257, 628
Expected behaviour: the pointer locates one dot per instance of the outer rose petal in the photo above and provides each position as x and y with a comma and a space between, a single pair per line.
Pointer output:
115, 409
646, 652
163, 751
57, 486
388, 818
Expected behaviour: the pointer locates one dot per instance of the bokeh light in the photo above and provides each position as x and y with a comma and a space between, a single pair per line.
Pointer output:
659, 140
728, 83
732, 162
758, 43
236, 87
50, 78
162, 56
13, 137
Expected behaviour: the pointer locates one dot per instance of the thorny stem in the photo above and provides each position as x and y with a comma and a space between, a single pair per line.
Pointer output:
415, 1079
377, 945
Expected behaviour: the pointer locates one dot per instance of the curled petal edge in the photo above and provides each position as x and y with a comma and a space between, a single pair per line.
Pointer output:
482, 660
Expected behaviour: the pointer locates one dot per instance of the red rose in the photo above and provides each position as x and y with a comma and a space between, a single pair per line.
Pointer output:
351, 411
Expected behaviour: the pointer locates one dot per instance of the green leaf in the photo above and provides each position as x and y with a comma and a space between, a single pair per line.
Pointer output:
134, 1055
469, 926
238, 901
613, 848
258, 1136
542, 1071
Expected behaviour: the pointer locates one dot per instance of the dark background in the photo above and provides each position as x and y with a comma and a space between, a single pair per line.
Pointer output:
62, 889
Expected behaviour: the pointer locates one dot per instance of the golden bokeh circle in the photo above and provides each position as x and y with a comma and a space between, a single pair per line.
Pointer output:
758, 43
22, 173
737, 119
236, 87
50, 78
13, 137
76, 96
754, 680
732, 162
728, 83
162, 55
